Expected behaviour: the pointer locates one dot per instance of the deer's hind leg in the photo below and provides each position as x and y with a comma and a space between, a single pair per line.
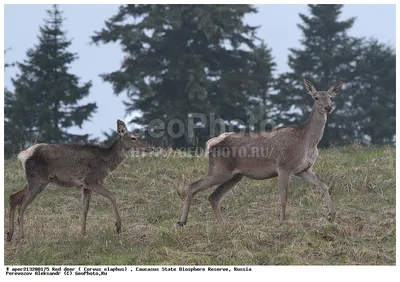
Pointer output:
15, 200
213, 178
35, 186
216, 197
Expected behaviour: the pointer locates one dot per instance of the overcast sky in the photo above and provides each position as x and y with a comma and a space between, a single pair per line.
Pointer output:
277, 27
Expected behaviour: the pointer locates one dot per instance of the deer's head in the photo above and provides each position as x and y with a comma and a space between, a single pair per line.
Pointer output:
130, 140
323, 99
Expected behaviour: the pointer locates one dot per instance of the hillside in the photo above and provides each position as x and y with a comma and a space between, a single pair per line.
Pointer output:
150, 193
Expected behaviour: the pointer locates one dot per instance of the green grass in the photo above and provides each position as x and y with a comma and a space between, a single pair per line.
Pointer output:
150, 193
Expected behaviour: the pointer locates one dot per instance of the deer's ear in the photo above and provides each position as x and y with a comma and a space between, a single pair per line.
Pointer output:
335, 88
121, 127
309, 87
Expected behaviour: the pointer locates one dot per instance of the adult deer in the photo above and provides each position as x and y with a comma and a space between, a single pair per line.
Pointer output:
281, 152
84, 166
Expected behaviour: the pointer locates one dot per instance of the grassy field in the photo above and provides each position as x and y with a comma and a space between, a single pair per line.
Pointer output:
150, 193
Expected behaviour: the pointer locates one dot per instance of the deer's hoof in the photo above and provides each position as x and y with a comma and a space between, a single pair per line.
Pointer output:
331, 217
181, 224
9, 236
118, 227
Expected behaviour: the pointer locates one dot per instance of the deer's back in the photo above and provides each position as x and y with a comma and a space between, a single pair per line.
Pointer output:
260, 155
70, 165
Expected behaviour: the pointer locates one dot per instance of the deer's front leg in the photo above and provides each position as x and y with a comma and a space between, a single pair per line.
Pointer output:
86, 193
283, 183
310, 177
111, 196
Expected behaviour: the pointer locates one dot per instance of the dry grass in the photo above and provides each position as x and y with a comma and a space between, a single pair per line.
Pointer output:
150, 191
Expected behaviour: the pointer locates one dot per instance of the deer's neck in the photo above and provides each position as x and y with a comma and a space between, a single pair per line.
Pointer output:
315, 126
116, 154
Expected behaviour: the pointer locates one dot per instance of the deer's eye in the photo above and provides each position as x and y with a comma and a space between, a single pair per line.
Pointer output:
316, 98
133, 138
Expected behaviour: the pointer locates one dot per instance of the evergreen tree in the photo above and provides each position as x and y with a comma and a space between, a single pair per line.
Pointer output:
182, 59
327, 55
375, 94
8, 146
45, 99
261, 68
7, 65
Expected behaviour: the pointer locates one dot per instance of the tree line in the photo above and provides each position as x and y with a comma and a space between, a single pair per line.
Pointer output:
186, 59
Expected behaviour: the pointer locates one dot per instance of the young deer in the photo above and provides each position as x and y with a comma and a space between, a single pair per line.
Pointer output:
281, 152
84, 166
